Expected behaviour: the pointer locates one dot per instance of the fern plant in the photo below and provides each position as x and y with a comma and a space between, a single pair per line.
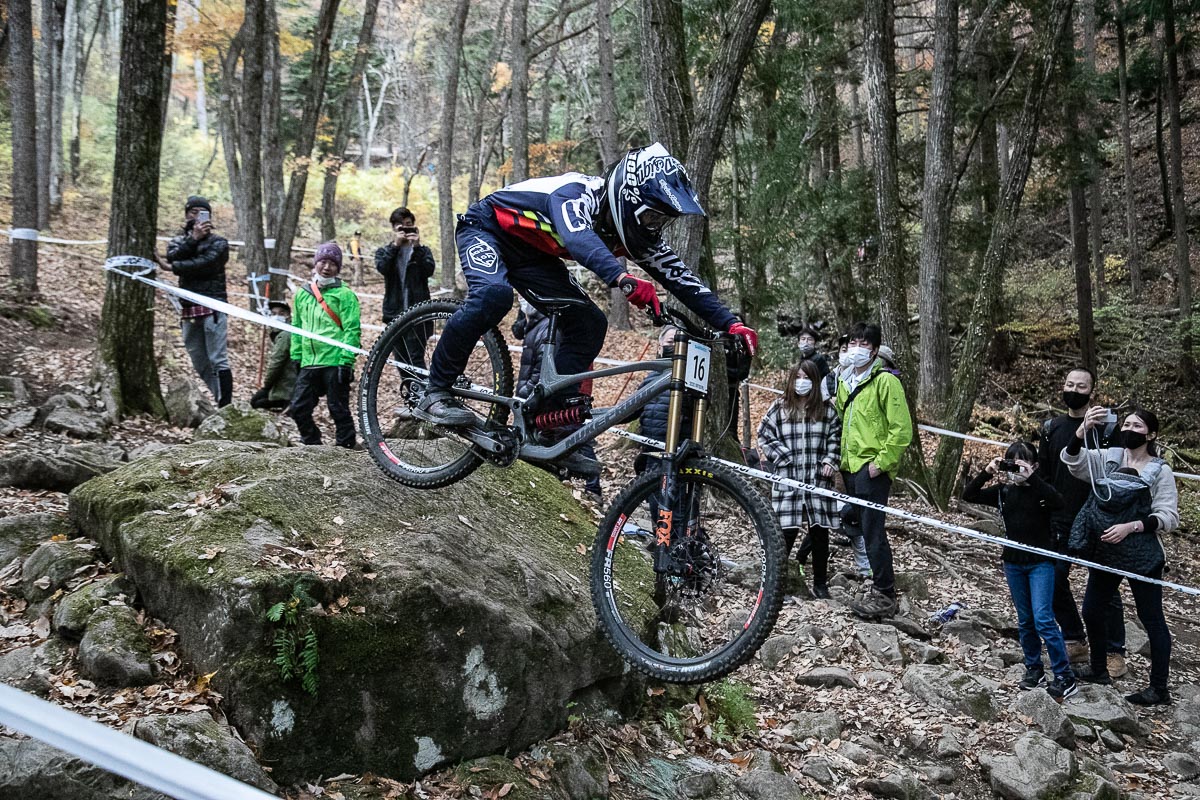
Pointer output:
295, 643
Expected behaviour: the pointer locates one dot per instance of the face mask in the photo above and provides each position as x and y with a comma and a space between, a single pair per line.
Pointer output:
1013, 478
322, 281
859, 357
1132, 440
807, 349
844, 360
1075, 400
279, 318
803, 386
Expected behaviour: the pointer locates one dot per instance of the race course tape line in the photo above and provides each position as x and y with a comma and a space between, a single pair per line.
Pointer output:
118, 752
933, 523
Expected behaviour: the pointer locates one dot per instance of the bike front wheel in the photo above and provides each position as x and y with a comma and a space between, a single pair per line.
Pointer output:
408, 450
706, 618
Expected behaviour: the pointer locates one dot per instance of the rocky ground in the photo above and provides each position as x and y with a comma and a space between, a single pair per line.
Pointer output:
831, 707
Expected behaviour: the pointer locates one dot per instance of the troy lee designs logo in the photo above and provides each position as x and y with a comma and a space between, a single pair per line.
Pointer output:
640, 169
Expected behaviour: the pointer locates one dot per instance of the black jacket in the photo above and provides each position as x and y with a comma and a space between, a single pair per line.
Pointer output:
200, 265
534, 329
402, 291
1026, 510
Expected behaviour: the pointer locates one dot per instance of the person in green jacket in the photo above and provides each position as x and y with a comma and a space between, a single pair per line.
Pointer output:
876, 428
279, 378
327, 307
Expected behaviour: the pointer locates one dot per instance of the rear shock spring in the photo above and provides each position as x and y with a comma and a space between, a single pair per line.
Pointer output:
557, 419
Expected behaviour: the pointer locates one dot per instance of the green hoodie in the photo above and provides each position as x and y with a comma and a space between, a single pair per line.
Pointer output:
310, 316
877, 427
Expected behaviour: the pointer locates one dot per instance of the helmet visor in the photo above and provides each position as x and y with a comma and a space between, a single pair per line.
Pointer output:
651, 220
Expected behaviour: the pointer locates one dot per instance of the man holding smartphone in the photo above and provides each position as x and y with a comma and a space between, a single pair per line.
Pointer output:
198, 257
406, 266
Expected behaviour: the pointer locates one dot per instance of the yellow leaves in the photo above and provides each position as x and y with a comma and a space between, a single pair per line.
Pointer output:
204, 680
766, 31
501, 77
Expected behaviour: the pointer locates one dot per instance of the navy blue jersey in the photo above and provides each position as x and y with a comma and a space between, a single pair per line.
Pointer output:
557, 216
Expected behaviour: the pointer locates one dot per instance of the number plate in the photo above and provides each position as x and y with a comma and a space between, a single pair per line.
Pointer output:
699, 358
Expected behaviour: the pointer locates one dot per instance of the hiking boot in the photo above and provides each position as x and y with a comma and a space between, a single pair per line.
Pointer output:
578, 464
874, 605
1087, 675
1150, 697
820, 591
1078, 652
1063, 687
440, 407
1034, 677
1117, 668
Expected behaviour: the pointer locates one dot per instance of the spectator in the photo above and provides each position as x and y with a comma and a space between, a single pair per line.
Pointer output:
1133, 501
876, 429
800, 438
279, 379
830, 381
1078, 389
327, 307
533, 329
1027, 502
809, 336
198, 256
889, 359
406, 266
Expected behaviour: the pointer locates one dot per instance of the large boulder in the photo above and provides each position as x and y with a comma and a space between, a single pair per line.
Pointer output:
18, 420
21, 534
61, 470
1047, 713
453, 623
188, 404
238, 422
198, 737
1038, 769
32, 770
75, 423
1103, 707
955, 691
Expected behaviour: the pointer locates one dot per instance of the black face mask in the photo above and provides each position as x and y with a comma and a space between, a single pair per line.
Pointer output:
1075, 400
1132, 440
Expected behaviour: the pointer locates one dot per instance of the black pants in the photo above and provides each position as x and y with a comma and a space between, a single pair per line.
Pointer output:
334, 384
1071, 623
872, 523
1148, 597
818, 537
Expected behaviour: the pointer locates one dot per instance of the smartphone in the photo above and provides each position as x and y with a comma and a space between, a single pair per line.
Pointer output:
1110, 422
1008, 465
204, 216
407, 230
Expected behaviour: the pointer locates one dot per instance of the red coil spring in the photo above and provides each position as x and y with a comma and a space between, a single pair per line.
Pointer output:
557, 419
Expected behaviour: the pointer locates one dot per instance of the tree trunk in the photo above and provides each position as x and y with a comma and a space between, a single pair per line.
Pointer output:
1160, 147
989, 288
47, 85
1077, 173
608, 123
935, 213
309, 119
1087, 20
341, 137
126, 351
445, 165
167, 62
520, 90
80, 75
1183, 267
198, 73
1133, 256
480, 156
272, 146
23, 97
250, 138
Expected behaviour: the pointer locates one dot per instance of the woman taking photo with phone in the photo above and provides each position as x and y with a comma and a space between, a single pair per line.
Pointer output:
1133, 501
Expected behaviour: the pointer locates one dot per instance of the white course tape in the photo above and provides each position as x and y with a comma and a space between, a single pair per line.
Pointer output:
26, 234
117, 752
33, 234
930, 521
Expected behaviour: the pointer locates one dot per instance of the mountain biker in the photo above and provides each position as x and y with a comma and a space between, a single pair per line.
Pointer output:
516, 238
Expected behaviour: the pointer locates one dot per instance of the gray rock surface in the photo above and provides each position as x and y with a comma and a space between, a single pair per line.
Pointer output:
13, 391
30, 770
188, 404
880, 641
967, 631
1136, 640
819, 770
115, 651
822, 725
238, 422
74, 423
73, 611
59, 471
68, 400
21, 534
197, 737
482, 605
17, 420
899, 785
945, 687
1038, 769
949, 744
29, 668
856, 753
1047, 714
764, 785
918, 652
51, 565
1182, 765
827, 676
776, 649
1103, 707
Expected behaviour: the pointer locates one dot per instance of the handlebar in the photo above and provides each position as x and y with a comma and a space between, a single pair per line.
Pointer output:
735, 346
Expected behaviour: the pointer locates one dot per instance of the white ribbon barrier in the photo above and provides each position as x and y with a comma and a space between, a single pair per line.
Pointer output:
34, 235
117, 752
929, 521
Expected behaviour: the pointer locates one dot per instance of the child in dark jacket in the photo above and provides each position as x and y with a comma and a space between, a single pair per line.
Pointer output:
1026, 503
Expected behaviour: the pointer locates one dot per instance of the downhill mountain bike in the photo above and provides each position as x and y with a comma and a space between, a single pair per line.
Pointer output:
686, 569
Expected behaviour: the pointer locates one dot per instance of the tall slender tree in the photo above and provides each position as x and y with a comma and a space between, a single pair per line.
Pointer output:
445, 155
1133, 250
23, 96
126, 353
519, 46
608, 125
1182, 261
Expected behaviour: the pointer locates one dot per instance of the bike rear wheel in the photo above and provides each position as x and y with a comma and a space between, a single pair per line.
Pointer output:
408, 450
702, 625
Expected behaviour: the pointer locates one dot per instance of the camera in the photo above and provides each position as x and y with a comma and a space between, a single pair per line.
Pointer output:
1008, 465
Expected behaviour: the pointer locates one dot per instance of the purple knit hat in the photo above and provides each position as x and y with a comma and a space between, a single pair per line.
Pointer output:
329, 250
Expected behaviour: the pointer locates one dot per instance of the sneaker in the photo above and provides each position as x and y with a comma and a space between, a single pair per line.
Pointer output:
874, 605
820, 591
1063, 687
1078, 652
1117, 667
1087, 675
1150, 697
440, 407
1034, 677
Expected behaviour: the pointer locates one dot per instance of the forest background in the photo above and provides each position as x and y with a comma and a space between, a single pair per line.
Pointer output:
1005, 186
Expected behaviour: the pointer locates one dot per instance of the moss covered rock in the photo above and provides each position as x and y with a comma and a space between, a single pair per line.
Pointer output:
51, 565
21, 534
72, 613
198, 737
453, 624
238, 422
115, 651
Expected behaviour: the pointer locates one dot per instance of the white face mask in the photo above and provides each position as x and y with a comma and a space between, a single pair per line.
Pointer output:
859, 356
279, 318
844, 360
321, 281
803, 386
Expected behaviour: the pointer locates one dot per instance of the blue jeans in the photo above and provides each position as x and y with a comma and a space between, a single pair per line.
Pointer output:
1032, 589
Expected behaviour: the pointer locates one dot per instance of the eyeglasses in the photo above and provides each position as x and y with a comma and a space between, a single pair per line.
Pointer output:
651, 220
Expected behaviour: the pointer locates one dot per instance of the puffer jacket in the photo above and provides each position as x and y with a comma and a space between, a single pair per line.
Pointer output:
405, 286
200, 265
307, 314
280, 375
534, 329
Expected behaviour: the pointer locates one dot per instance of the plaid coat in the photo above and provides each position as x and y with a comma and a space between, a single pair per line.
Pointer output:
796, 449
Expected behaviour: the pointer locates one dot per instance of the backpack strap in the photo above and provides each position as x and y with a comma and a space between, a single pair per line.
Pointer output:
316, 292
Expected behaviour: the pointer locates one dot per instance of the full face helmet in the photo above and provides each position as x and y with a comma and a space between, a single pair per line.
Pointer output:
645, 191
